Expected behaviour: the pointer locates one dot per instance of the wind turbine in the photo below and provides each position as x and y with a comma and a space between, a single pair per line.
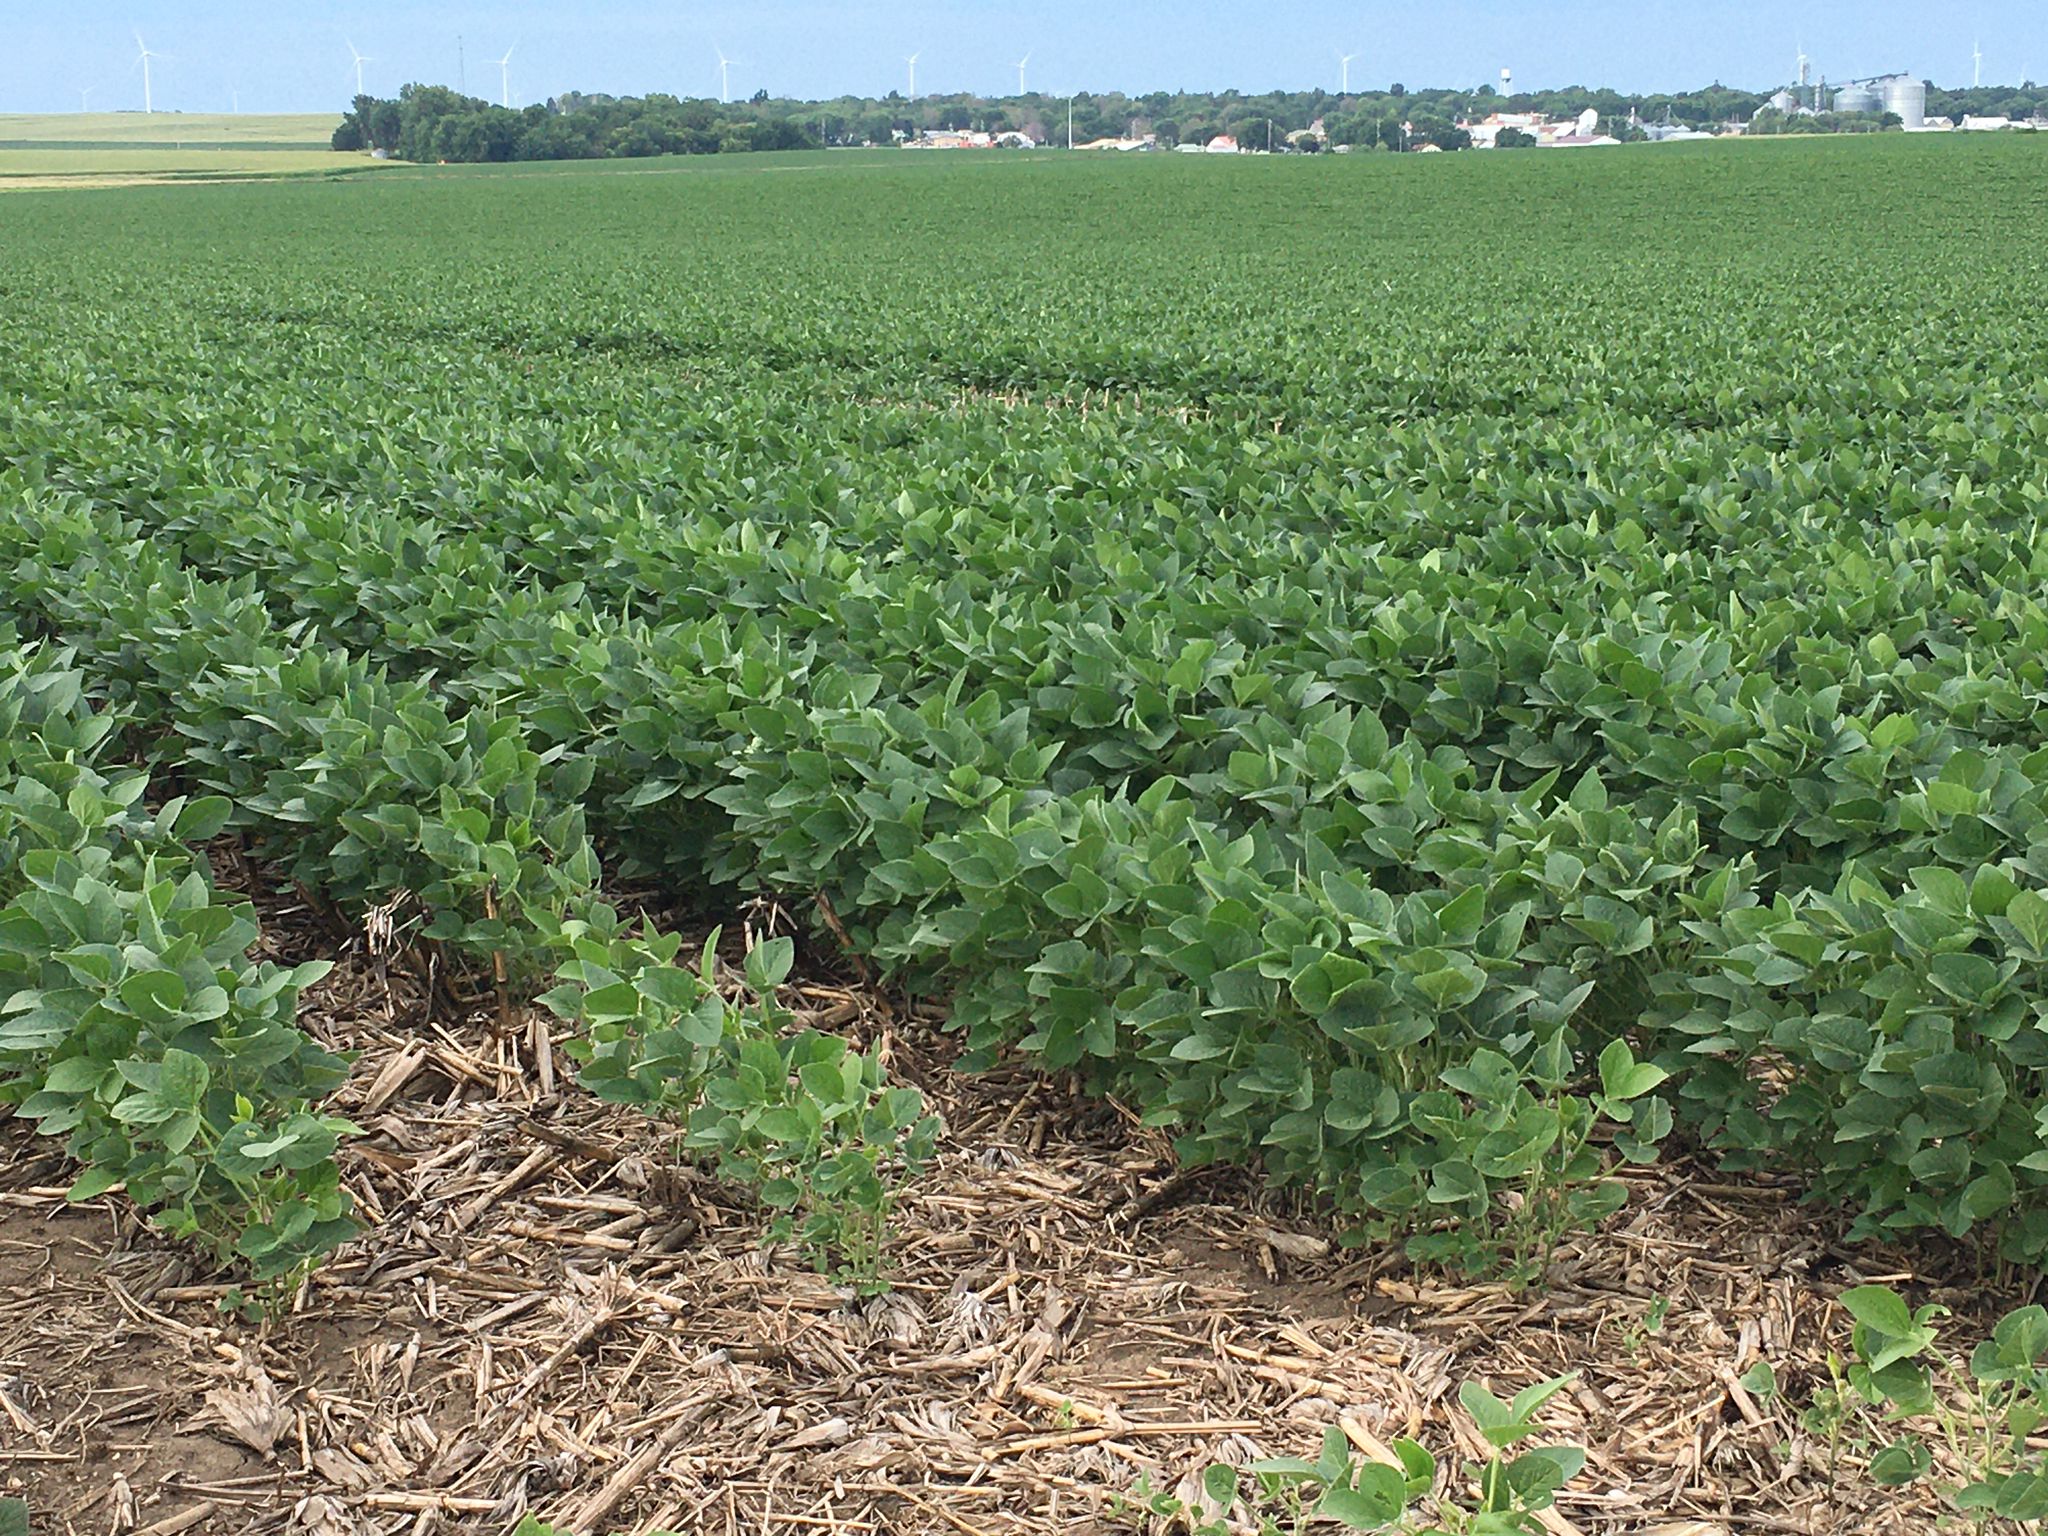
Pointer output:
1977, 58
1344, 73
505, 77
143, 56
360, 60
912, 62
724, 79
85, 98
1020, 74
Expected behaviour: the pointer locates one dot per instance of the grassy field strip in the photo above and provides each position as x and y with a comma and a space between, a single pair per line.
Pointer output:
305, 130
130, 162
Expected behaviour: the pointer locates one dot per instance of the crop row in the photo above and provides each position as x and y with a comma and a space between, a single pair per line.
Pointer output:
134, 1023
1377, 964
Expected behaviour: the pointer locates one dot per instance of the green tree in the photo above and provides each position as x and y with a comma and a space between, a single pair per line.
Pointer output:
633, 140
386, 126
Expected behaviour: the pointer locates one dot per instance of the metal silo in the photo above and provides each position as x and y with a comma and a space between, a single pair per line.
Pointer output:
1907, 96
1856, 98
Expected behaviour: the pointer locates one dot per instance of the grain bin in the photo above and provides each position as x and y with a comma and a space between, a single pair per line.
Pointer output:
1905, 95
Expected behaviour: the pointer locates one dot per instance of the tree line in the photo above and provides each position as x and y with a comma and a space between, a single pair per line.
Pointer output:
429, 122
434, 123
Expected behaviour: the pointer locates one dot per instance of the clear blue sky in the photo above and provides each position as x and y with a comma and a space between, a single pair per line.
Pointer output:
293, 56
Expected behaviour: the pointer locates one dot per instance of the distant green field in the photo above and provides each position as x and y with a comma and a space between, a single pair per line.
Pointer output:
80, 149
101, 164
187, 130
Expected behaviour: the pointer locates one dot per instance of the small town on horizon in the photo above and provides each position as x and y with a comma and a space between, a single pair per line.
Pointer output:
1808, 104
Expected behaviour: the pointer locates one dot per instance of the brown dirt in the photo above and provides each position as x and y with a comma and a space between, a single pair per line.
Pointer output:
548, 1317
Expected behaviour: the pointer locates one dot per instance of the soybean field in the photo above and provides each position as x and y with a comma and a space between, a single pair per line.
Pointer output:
928, 840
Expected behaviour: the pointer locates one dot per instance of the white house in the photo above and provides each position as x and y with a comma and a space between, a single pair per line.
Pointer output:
1549, 133
1487, 131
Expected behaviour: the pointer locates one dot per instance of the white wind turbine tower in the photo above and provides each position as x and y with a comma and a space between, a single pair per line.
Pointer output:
143, 56
1020, 74
360, 60
1344, 73
505, 77
912, 62
1977, 59
724, 79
